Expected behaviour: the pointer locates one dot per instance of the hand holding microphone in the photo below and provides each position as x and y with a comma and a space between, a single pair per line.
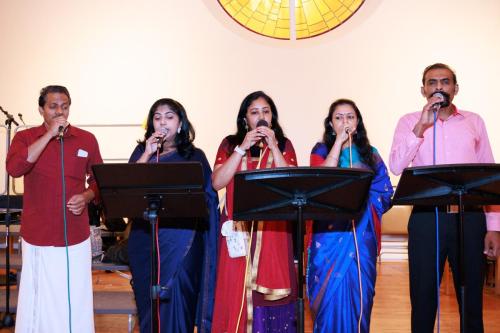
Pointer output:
57, 127
344, 135
160, 137
262, 123
256, 135
436, 101
440, 99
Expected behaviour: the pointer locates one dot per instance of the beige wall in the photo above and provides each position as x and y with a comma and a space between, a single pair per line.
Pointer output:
118, 56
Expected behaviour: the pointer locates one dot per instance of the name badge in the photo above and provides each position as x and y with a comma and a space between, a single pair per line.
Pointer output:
82, 153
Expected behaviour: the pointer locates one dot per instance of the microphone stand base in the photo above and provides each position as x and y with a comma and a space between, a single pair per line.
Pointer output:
8, 320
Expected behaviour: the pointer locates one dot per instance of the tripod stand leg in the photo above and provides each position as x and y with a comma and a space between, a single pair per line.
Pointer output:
300, 255
461, 260
152, 216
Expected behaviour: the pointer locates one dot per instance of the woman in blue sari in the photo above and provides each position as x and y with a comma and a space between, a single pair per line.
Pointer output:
341, 287
187, 247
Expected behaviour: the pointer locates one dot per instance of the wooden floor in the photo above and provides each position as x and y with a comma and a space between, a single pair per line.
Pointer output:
391, 312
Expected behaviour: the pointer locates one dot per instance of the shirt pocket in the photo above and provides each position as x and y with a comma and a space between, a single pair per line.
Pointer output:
77, 167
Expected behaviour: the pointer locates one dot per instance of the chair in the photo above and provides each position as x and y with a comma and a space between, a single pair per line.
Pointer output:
395, 233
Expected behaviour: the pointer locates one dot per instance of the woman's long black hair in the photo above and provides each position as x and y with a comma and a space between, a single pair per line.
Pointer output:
360, 137
241, 131
184, 139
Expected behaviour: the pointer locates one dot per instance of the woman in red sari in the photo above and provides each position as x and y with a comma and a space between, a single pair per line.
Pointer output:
256, 281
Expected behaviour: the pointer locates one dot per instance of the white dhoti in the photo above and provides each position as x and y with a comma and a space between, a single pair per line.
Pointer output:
43, 303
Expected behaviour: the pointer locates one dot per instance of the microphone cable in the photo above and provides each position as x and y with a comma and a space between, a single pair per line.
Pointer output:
65, 223
247, 263
437, 224
158, 259
357, 250
158, 147
158, 271
249, 248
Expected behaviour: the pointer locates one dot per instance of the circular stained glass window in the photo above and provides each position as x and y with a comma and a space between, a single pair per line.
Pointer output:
290, 19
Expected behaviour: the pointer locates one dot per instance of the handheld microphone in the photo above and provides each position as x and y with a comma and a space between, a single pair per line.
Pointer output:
262, 122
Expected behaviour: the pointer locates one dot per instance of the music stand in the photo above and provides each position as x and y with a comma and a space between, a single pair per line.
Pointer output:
299, 194
453, 184
149, 192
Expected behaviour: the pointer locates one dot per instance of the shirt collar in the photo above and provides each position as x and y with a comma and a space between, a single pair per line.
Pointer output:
456, 113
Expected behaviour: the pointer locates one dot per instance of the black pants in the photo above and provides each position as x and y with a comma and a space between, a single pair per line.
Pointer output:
422, 264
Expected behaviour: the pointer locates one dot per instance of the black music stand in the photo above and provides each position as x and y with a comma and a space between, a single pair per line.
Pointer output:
149, 192
299, 194
453, 184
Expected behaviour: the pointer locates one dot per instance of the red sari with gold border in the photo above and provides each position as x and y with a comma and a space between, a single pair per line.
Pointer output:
270, 278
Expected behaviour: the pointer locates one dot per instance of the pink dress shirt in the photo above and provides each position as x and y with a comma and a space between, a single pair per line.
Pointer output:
462, 138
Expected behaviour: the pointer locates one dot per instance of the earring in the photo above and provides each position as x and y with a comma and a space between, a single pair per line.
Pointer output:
246, 125
178, 130
330, 125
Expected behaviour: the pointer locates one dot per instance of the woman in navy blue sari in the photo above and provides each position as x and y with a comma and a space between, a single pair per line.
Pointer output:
187, 247
341, 268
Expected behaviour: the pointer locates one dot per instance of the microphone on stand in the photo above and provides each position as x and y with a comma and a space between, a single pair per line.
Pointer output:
10, 118
21, 118
159, 143
445, 100
264, 123
349, 132
160, 140
261, 122
61, 132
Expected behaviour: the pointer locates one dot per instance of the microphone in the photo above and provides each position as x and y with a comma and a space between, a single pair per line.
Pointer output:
159, 140
262, 122
445, 100
348, 130
10, 118
61, 131
21, 117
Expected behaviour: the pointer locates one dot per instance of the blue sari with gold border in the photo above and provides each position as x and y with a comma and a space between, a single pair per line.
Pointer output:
332, 272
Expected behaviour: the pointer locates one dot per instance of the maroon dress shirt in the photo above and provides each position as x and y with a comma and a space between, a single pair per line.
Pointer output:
42, 217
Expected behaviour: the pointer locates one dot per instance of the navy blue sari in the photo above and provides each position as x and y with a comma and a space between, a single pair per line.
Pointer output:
188, 249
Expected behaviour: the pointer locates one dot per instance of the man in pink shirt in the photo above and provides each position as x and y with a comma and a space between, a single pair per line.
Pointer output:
461, 137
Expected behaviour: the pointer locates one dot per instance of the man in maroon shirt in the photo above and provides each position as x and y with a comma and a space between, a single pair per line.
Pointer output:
56, 161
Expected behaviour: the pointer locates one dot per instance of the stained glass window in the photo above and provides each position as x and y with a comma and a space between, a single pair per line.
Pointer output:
272, 18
